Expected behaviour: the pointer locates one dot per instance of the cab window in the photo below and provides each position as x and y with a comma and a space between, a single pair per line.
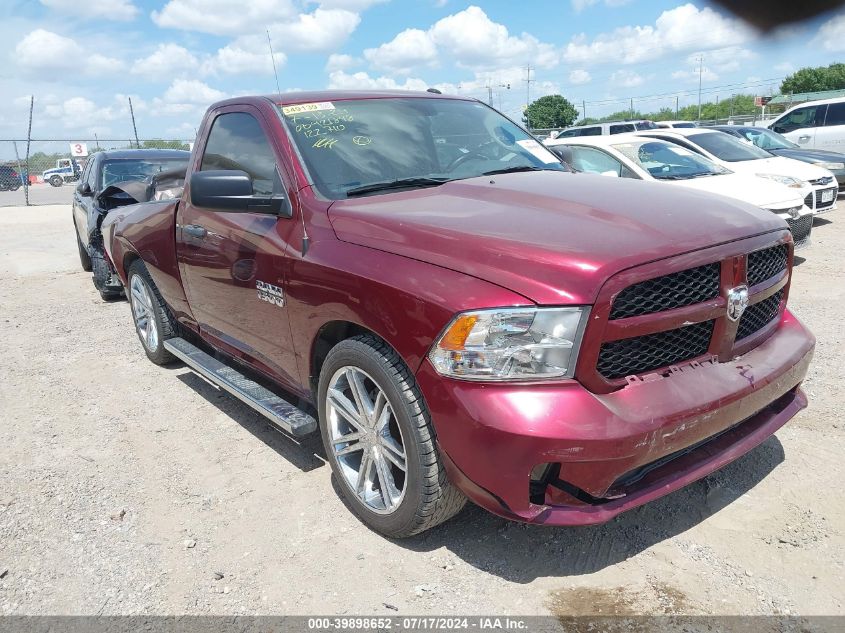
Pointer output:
237, 141
835, 114
621, 128
798, 119
590, 131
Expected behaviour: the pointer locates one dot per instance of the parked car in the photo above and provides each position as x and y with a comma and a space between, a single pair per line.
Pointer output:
10, 180
740, 157
112, 179
673, 124
779, 145
608, 127
467, 319
630, 156
814, 125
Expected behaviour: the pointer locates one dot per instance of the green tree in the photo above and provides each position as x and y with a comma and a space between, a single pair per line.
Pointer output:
550, 111
831, 77
162, 144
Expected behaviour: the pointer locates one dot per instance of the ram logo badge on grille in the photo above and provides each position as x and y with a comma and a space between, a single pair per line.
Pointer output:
737, 302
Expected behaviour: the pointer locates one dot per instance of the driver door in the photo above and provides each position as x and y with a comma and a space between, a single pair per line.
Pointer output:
800, 125
233, 262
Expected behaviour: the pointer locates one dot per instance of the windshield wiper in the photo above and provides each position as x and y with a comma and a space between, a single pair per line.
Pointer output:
401, 183
511, 170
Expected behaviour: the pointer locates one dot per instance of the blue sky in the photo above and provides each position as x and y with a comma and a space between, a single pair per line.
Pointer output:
175, 57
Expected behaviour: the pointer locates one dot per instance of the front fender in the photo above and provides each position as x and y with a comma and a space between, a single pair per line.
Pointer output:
404, 301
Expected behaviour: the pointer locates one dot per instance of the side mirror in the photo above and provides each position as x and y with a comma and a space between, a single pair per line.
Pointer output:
84, 189
231, 190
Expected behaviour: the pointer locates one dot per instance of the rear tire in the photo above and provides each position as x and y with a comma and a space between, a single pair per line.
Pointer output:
84, 257
56, 181
395, 433
153, 322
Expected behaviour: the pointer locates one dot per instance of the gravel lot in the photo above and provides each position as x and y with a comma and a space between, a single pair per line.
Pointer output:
38, 195
126, 488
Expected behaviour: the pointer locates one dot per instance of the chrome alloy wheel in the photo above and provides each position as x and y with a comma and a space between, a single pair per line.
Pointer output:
142, 311
366, 439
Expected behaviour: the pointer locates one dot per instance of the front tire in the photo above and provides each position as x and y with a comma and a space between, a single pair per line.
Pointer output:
379, 440
152, 319
56, 181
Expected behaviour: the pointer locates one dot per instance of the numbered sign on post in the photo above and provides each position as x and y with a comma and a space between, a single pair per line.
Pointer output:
79, 149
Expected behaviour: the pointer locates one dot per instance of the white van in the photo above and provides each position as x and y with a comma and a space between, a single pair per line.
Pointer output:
814, 125
608, 127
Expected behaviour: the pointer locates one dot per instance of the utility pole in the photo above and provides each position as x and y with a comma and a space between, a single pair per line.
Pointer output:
134, 127
632, 107
273, 60
28, 141
676, 107
700, 72
528, 81
584, 108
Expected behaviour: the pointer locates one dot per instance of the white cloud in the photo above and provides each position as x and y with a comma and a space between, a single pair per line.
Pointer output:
167, 60
473, 40
579, 76
469, 39
831, 35
117, 10
339, 80
53, 54
222, 17
681, 29
626, 79
233, 60
785, 67
338, 61
192, 91
322, 30
409, 49
691, 76
723, 60
349, 5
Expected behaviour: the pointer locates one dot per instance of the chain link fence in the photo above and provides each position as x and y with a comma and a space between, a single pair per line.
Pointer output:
740, 119
48, 175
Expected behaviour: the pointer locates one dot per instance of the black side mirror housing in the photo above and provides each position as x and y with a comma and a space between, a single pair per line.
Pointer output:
84, 189
231, 190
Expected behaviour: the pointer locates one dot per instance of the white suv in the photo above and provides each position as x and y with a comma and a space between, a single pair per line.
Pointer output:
815, 124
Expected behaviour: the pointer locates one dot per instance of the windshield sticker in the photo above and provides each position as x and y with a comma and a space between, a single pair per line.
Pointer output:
532, 146
300, 108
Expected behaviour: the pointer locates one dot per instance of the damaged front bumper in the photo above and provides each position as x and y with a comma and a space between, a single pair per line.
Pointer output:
561, 455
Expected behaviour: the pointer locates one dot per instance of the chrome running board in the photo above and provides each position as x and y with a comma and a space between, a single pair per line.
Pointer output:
279, 411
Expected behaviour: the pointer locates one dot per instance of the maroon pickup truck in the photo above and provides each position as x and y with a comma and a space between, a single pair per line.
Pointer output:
460, 316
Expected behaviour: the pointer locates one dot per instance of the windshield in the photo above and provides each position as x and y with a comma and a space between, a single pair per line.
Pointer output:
121, 170
766, 139
667, 161
348, 146
727, 147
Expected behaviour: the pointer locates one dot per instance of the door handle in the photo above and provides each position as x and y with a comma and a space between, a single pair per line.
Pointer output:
195, 230
803, 138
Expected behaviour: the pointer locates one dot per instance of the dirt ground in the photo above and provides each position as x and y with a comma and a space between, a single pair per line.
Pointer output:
127, 488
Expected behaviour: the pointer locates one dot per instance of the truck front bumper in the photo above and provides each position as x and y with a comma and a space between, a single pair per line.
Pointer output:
594, 456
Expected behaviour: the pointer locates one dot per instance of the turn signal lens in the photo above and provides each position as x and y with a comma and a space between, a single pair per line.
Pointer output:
511, 344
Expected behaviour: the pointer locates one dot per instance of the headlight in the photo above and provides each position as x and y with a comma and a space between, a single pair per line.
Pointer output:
511, 344
831, 166
789, 181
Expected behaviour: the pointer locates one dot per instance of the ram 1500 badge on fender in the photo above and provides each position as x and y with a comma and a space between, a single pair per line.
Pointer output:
460, 317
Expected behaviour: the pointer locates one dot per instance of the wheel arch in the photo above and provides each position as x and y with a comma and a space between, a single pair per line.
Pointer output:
328, 336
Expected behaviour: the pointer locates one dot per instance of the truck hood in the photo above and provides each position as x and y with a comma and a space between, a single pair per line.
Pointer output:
552, 237
761, 192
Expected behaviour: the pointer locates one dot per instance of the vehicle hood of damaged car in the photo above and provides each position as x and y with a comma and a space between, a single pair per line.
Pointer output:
552, 237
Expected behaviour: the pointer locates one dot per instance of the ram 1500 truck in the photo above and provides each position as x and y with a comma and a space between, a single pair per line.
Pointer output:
418, 278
